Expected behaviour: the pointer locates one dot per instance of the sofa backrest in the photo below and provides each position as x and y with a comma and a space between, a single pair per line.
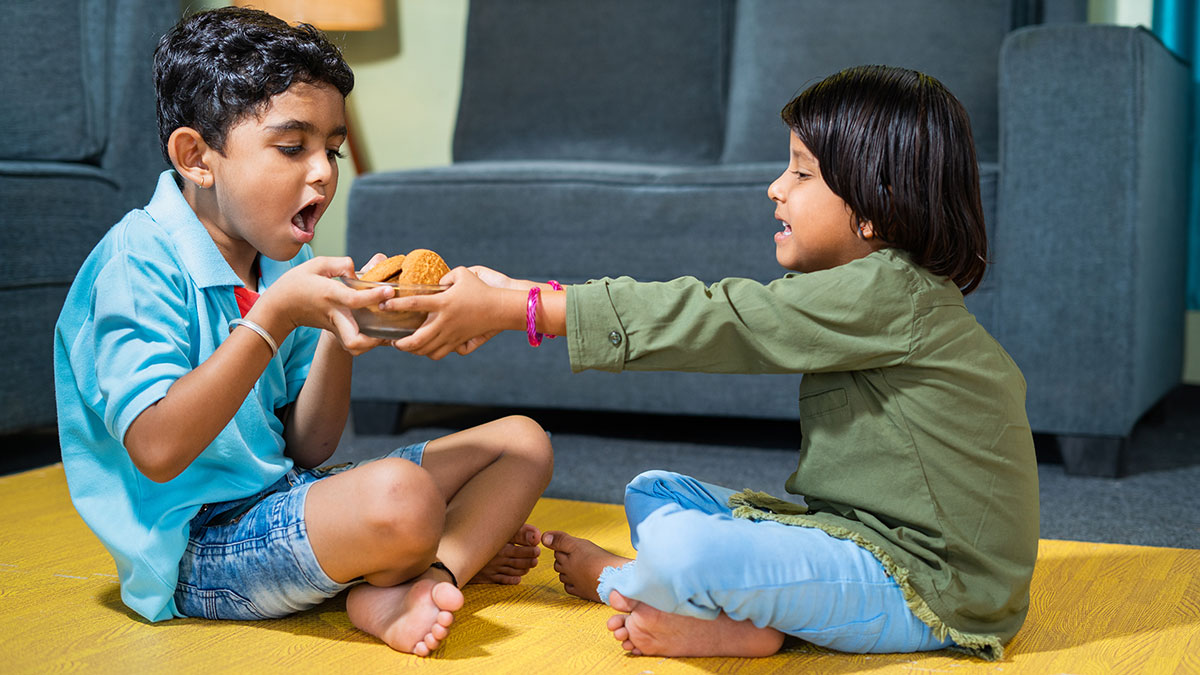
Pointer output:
782, 46
55, 91
618, 80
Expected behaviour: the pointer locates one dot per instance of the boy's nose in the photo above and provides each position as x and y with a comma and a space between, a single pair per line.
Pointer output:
321, 171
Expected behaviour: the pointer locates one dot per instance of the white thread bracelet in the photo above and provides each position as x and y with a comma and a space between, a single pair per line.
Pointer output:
262, 332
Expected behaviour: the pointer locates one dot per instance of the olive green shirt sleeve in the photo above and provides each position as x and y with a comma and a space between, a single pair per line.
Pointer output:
822, 321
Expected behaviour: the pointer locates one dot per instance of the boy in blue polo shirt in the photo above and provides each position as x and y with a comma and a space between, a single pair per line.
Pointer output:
203, 361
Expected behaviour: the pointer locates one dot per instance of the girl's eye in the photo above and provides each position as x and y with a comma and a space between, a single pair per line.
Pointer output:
334, 153
800, 175
291, 150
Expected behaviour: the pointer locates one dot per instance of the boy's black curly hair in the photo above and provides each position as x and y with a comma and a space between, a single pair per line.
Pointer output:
215, 67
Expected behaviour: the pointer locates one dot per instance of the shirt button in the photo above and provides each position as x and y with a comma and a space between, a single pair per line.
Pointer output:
615, 338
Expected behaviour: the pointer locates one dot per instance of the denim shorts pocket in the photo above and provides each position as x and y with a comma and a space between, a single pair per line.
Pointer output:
217, 603
234, 513
323, 471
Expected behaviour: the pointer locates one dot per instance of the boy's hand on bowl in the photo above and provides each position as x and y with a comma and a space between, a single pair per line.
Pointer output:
310, 295
375, 260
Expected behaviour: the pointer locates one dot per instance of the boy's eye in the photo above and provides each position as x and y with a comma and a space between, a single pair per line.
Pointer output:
290, 150
334, 153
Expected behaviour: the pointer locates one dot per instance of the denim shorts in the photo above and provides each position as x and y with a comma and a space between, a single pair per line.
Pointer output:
251, 559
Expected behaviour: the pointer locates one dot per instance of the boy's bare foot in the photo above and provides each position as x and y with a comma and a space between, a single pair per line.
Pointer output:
514, 560
413, 617
579, 563
646, 631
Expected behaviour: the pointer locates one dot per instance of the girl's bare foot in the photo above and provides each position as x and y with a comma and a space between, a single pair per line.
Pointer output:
414, 617
514, 560
579, 563
646, 631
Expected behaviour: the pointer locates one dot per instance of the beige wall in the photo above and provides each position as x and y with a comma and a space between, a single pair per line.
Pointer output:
406, 94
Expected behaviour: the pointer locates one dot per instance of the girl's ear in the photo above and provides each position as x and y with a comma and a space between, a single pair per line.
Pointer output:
186, 148
866, 231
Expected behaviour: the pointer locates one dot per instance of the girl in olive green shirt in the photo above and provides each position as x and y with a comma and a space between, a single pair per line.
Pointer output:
920, 519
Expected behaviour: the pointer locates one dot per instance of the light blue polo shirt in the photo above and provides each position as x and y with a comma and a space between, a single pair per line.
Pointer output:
152, 301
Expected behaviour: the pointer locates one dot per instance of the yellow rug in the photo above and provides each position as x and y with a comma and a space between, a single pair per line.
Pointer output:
1097, 608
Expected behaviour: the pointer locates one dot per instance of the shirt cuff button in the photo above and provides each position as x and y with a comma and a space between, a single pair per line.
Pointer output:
615, 338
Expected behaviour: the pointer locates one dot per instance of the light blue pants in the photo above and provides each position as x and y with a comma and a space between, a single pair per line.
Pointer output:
695, 559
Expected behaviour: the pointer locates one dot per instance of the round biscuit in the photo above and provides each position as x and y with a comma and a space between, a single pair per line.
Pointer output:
423, 266
385, 269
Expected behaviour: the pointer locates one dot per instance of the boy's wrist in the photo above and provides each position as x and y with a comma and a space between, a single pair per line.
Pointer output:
273, 322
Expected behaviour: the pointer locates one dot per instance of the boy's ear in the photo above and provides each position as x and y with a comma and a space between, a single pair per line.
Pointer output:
186, 148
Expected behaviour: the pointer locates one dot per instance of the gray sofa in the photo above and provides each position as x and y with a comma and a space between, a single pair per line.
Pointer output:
637, 137
79, 148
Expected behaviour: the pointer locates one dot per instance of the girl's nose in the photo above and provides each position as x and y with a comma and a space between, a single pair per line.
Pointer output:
775, 189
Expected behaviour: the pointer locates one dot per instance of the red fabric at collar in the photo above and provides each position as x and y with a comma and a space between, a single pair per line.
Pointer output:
245, 299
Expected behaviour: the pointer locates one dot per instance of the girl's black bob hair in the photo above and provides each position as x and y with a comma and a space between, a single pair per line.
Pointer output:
896, 146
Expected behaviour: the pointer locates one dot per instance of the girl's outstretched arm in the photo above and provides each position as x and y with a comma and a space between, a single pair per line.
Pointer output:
471, 311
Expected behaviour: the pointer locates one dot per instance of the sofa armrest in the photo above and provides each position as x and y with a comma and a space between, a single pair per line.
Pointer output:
1089, 245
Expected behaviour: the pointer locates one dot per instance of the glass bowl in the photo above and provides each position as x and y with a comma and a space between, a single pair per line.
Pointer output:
387, 325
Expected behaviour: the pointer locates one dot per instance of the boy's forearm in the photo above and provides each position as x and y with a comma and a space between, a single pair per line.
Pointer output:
169, 434
318, 416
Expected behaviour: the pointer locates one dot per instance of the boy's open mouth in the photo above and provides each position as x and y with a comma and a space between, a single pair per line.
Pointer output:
306, 219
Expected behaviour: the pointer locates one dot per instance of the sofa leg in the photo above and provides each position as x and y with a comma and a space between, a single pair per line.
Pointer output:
377, 418
1100, 456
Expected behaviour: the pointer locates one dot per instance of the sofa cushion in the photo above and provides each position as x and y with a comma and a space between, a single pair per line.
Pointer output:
54, 90
782, 46
54, 213
573, 79
27, 343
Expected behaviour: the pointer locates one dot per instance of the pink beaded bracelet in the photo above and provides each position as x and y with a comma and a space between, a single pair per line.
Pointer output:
531, 303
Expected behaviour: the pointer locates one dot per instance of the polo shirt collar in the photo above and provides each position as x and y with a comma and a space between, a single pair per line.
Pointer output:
197, 250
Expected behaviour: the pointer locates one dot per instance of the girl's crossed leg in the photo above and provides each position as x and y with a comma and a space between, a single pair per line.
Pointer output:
707, 584
388, 520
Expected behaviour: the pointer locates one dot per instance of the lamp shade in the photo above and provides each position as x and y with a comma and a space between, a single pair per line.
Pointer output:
328, 15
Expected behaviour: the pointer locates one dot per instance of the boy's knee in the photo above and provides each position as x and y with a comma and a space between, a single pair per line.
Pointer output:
400, 502
527, 438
